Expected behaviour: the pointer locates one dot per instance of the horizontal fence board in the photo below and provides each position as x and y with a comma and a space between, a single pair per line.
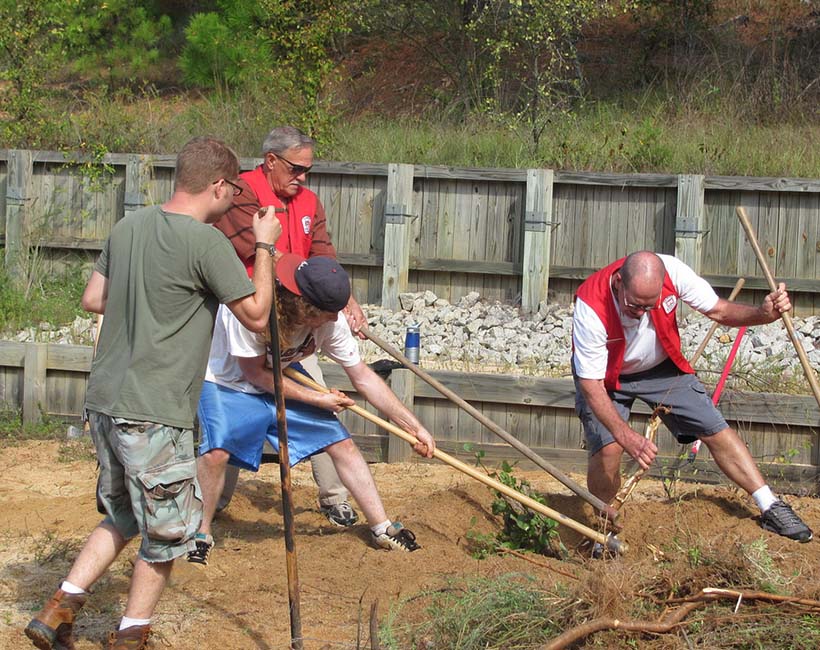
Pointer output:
12, 354
768, 408
762, 184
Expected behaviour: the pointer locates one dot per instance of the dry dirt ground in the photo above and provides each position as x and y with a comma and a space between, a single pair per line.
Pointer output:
47, 508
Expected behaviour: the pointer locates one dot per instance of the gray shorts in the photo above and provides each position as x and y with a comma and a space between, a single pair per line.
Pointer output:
147, 484
692, 413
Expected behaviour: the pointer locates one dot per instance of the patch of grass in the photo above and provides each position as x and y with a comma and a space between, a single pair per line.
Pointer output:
53, 298
13, 431
507, 612
71, 451
49, 547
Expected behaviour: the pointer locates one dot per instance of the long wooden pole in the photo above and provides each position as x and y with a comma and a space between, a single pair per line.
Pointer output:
507, 437
738, 286
609, 541
287, 491
787, 319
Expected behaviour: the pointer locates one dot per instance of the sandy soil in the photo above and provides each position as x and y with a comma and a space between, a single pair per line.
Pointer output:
240, 601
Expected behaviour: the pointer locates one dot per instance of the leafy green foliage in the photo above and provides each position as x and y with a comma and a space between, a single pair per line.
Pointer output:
225, 48
116, 42
29, 36
522, 528
284, 47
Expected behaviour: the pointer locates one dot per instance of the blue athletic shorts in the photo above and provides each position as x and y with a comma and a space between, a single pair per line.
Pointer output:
240, 423
692, 416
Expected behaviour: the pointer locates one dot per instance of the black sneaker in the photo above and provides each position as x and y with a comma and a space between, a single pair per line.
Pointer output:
340, 514
396, 538
204, 544
781, 519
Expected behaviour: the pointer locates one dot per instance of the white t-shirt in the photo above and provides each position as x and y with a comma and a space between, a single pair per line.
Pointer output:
232, 341
643, 348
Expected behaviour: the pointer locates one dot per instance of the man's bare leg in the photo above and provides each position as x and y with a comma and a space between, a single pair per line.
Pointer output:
147, 583
734, 459
604, 472
356, 476
101, 548
210, 472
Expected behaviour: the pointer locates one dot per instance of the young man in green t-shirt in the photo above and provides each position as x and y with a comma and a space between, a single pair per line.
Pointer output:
159, 280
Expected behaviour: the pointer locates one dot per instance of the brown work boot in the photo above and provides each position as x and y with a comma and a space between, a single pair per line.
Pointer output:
52, 628
131, 638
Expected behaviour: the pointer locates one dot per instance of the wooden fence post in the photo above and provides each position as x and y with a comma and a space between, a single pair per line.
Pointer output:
537, 236
397, 217
403, 384
20, 171
34, 382
134, 194
689, 221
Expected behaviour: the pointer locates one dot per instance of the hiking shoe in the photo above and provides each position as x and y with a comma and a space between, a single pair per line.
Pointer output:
52, 627
340, 514
204, 544
131, 638
397, 538
781, 519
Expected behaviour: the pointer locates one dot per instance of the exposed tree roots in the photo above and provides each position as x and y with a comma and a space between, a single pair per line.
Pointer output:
674, 618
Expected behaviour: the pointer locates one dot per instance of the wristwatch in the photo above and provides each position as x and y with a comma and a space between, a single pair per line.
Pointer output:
271, 248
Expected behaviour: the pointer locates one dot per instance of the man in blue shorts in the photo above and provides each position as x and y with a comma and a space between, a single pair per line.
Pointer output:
161, 275
237, 410
626, 345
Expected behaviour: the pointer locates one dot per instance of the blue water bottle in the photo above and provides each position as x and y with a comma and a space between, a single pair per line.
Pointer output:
411, 343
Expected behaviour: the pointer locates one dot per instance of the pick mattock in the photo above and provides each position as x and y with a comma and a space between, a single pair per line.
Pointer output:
606, 510
287, 491
787, 319
609, 541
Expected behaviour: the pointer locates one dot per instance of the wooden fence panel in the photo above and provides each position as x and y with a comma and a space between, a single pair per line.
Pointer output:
71, 209
781, 430
467, 225
354, 206
159, 182
4, 174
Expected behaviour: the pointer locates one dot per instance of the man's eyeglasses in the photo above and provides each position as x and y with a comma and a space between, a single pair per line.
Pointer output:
635, 307
296, 170
237, 190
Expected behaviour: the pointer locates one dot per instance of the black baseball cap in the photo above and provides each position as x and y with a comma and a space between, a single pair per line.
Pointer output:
320, 280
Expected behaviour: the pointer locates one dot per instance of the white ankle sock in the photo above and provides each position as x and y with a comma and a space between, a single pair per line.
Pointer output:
380, 529
764, 497
131, 622
71, 588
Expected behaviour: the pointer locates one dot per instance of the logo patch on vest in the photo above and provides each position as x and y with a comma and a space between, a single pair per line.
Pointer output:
669, 303
306, 224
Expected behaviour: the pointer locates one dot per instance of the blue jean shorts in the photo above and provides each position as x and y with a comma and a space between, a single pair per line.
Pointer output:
692, 414
240, 423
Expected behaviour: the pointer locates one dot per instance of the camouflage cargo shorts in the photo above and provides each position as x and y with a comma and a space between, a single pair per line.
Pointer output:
147, 484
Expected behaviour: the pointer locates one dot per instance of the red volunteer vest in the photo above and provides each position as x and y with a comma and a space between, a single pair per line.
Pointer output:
296, 217
597, 294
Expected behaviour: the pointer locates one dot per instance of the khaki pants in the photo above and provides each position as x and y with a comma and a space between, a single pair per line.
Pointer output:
331, 490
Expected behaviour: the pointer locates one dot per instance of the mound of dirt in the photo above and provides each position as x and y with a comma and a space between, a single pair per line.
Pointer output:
47, 508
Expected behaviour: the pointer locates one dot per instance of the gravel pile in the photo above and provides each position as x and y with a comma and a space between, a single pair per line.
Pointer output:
472, 335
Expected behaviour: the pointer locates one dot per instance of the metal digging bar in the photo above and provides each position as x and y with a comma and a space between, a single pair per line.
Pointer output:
611, 542
610, 513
